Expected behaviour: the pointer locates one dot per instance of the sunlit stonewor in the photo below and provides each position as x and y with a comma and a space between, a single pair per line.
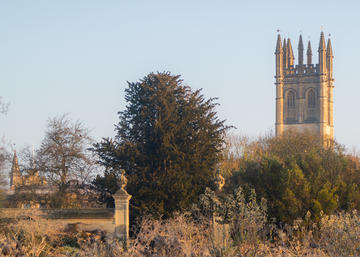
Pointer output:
29, 184
304, 92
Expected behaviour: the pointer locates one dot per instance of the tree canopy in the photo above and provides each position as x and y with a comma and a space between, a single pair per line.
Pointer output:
169, 140
297, 174
63, 154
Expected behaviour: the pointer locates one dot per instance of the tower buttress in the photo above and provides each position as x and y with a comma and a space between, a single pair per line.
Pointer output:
279, 52
329, 65
323, 96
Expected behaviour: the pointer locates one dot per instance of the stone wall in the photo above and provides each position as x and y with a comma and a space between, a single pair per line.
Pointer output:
83, 219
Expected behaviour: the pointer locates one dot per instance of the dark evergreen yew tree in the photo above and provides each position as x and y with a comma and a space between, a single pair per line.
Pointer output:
168, 140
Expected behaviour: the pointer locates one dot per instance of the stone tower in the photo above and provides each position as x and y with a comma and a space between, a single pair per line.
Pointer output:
304, 92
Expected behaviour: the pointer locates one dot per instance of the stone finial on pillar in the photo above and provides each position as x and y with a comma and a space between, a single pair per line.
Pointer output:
219, 181
122, 198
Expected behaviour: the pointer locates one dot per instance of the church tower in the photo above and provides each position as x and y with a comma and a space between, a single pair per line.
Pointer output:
304, 92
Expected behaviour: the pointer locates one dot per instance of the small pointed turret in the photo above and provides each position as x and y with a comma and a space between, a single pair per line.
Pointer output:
329, 58
309, 54
285, 55
279, 57
290, 53
278, 44
322, 41
322, 54
329, 48
301, 51
15, 176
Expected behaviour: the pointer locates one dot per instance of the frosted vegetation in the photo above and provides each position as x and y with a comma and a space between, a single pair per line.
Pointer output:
189, 235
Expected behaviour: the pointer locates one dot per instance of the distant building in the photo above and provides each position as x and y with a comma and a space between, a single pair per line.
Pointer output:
304, 92
31, 190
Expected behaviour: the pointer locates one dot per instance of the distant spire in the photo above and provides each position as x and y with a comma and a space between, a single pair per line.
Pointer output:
278, 45
309, 54
301, 51
290, 53
15, 163
15, 176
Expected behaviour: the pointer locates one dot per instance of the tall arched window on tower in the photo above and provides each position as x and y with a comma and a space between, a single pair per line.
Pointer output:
291, 100
290, 112
311, 99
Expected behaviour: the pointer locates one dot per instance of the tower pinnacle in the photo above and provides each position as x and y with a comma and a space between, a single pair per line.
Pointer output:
322, 41
309, 54
329, 57
279, 58
285, 56
290, 53
322, 54
301, 51
329, 48
278, 45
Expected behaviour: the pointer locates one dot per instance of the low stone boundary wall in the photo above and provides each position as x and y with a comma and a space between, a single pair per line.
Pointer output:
83, 219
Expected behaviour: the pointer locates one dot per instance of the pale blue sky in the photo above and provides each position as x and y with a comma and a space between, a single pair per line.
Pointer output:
75, 57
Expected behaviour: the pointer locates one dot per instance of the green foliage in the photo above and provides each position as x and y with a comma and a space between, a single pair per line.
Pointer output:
69, 240
107, 186
296, 173
239, 209
168, 140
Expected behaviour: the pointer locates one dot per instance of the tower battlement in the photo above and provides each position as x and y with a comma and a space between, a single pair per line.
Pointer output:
304, 92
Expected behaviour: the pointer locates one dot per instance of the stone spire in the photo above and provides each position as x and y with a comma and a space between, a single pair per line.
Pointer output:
329, 48
290, 53
322, 54
322, 41
329, 58
279, 57
285, 55
309, 54
278, 45
15, 176
301, 51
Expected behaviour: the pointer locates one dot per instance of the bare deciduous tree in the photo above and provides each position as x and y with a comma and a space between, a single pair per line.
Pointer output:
63, 154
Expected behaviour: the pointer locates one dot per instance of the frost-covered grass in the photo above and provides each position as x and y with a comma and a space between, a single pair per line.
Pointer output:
335, 235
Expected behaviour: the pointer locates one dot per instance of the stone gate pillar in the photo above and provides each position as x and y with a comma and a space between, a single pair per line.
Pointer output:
121, 217
221, 232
